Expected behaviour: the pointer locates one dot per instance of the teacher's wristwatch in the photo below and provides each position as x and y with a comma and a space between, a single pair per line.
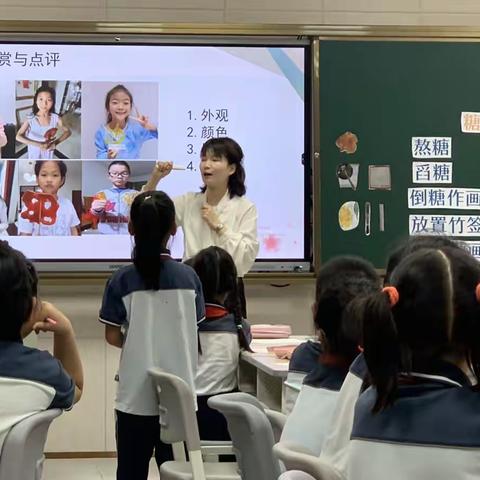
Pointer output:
219, 227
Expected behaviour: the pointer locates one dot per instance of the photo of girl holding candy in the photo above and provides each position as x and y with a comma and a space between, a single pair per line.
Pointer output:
44, 211
39, 131
125, 130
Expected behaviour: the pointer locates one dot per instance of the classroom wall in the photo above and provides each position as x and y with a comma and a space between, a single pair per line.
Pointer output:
339, 12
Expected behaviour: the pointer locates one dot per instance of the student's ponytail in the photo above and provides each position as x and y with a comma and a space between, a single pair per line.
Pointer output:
466, 329
234, 306
382, 348
429, 314
217, 272
153, 219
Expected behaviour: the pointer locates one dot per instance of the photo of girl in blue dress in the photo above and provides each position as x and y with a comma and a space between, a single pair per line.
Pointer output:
125, 130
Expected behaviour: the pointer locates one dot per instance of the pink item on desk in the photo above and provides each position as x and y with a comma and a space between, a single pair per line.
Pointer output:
282, 351
271, 331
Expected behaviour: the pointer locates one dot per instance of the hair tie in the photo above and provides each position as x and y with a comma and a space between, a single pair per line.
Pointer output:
477, 292
394, 296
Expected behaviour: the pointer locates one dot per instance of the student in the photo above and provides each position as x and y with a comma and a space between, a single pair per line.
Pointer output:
339, 281
150, 310
39, 130
222, 335
51, 175
304, 359
123, 135
219, 214
112, 205
336, 444
420, 419
32, 380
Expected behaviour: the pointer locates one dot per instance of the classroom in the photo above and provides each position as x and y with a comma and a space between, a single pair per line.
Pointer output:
318, 159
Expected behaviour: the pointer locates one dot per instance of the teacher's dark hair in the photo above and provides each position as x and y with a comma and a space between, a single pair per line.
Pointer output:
152, 218
231, 150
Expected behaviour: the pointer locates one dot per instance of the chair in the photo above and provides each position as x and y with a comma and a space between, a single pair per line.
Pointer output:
22, 453
251, 433
277, 421
295, 457
295, 475
178, 424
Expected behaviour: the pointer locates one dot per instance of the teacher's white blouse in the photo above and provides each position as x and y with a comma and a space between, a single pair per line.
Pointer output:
238, 237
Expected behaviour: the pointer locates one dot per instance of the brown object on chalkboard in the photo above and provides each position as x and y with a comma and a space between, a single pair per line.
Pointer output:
347, 142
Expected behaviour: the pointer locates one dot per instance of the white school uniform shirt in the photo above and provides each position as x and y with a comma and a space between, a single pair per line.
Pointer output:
238, 238
337, 438
66, 219
160, 330
220, 353
30, 381
310, 418
431, 432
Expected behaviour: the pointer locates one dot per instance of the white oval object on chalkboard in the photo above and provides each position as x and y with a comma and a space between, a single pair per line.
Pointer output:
349, 216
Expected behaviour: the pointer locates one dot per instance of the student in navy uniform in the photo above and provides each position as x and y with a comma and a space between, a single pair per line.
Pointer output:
339, 281
221, 336
32, 380
421, 417
337, 440
151, 310
304, 359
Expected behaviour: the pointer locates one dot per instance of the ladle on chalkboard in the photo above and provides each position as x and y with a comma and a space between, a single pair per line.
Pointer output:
345, 172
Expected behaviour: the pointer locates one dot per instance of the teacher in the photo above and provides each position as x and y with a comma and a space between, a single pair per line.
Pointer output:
219, 214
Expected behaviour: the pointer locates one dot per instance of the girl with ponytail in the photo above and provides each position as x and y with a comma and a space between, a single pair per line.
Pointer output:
420, 419
340, 281
151, 310
221, 337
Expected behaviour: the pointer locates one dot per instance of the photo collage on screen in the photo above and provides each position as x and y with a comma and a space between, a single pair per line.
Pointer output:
75, 156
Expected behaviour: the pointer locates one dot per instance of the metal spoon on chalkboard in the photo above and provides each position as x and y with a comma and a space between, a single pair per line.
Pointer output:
345, 172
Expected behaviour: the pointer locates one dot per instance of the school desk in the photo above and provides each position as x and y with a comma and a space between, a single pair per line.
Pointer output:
263, 374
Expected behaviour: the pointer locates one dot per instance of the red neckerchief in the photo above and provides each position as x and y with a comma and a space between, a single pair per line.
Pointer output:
214, 311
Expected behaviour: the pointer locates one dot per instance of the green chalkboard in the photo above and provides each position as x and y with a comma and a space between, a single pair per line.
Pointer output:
387, 92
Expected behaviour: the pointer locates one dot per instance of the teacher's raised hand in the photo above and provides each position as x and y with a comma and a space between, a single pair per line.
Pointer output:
160, 170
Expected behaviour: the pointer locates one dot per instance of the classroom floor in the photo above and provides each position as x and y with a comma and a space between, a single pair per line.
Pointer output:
87, 469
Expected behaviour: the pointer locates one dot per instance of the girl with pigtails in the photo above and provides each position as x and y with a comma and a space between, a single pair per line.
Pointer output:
420, 419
